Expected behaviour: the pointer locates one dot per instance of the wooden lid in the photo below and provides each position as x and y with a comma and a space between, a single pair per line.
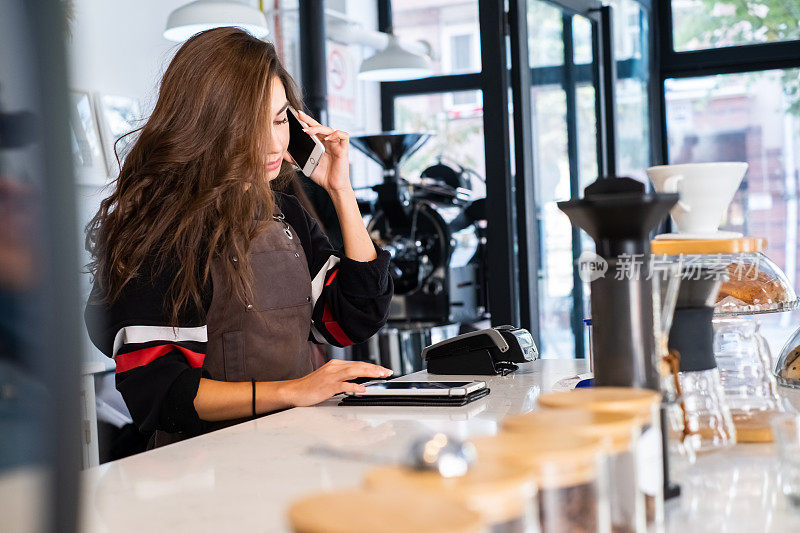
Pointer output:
556, 458
382, 511
498, 491
615, 429
605, 399
708, 246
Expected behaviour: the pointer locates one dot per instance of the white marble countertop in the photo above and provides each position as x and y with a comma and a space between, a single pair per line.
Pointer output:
242, 478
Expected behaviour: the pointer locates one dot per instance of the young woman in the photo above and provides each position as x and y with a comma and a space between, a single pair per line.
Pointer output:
209, 284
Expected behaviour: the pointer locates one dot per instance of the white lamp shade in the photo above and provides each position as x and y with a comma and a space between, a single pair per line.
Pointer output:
395, 63
203, 15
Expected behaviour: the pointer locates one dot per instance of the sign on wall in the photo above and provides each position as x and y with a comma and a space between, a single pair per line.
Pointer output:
342, 83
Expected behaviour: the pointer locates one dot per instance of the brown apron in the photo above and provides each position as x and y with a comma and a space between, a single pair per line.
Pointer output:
267, 338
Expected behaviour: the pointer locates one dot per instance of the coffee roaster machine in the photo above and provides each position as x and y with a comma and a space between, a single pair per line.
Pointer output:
434, 229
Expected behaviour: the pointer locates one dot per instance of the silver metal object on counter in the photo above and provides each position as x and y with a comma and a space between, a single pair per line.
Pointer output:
447, 455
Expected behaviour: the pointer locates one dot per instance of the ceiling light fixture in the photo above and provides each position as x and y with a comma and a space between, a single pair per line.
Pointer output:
202, 15
395, 63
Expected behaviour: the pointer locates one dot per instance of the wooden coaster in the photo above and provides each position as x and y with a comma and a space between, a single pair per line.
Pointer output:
753, 427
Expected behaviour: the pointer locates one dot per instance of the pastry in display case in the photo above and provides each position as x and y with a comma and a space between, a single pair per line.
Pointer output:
755, 284
787, 371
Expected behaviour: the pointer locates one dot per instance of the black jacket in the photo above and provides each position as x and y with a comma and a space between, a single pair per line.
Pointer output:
159, 377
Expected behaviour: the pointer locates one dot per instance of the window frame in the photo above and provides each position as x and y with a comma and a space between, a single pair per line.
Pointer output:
738, 59
513, 298
522, 307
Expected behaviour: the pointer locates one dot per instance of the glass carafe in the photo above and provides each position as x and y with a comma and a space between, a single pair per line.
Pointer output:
744, 363
707, 417
666, 285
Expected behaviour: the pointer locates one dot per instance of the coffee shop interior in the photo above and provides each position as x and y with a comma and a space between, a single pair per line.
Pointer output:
585, 218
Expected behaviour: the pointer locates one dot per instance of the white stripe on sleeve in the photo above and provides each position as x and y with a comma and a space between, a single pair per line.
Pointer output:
139, 334
318, 283
318, 336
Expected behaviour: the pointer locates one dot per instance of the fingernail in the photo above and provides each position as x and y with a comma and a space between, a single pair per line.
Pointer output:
388, 373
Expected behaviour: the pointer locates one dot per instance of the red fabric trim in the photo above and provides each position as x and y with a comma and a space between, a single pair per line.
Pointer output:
334, 328
131, 360
332, 275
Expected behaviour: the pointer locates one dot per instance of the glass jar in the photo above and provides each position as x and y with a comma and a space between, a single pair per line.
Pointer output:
381, 511
744, 362
619, 433
644, 404
568, 470
503, 494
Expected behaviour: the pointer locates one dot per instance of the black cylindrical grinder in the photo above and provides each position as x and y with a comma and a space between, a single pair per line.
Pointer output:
619, 215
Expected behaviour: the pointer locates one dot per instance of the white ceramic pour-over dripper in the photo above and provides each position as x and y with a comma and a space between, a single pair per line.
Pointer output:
706, 191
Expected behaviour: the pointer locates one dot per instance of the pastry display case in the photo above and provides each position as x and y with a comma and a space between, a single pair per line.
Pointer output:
752, 285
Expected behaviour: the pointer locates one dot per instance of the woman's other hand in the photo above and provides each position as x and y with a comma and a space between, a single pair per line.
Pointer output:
328, 380
333, 171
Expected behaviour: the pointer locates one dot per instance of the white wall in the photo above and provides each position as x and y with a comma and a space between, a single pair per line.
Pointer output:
117, 48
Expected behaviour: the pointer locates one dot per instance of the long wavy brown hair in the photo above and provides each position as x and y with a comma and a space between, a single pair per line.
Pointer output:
193, 186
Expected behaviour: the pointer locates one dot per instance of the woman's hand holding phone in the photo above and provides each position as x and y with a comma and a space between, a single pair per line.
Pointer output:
333, 175
333, 171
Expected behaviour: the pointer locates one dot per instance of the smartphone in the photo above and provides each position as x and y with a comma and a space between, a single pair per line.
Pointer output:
421, 388
305, 149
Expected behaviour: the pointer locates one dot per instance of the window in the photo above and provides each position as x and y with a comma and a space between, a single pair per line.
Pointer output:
551, 169
566, 139
629, 29
450, 27
458, 132
703, 24
742, 105
582, 32
564, 121
545, 31
462, 54
632, 101
746, 117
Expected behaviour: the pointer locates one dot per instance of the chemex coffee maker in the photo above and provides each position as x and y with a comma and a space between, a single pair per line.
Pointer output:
430, 227
752, 285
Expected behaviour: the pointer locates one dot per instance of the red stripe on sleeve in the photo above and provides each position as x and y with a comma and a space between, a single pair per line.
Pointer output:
131, 360
332, 275
334, 328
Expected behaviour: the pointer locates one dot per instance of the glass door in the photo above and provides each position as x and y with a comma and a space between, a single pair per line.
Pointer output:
571, 145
